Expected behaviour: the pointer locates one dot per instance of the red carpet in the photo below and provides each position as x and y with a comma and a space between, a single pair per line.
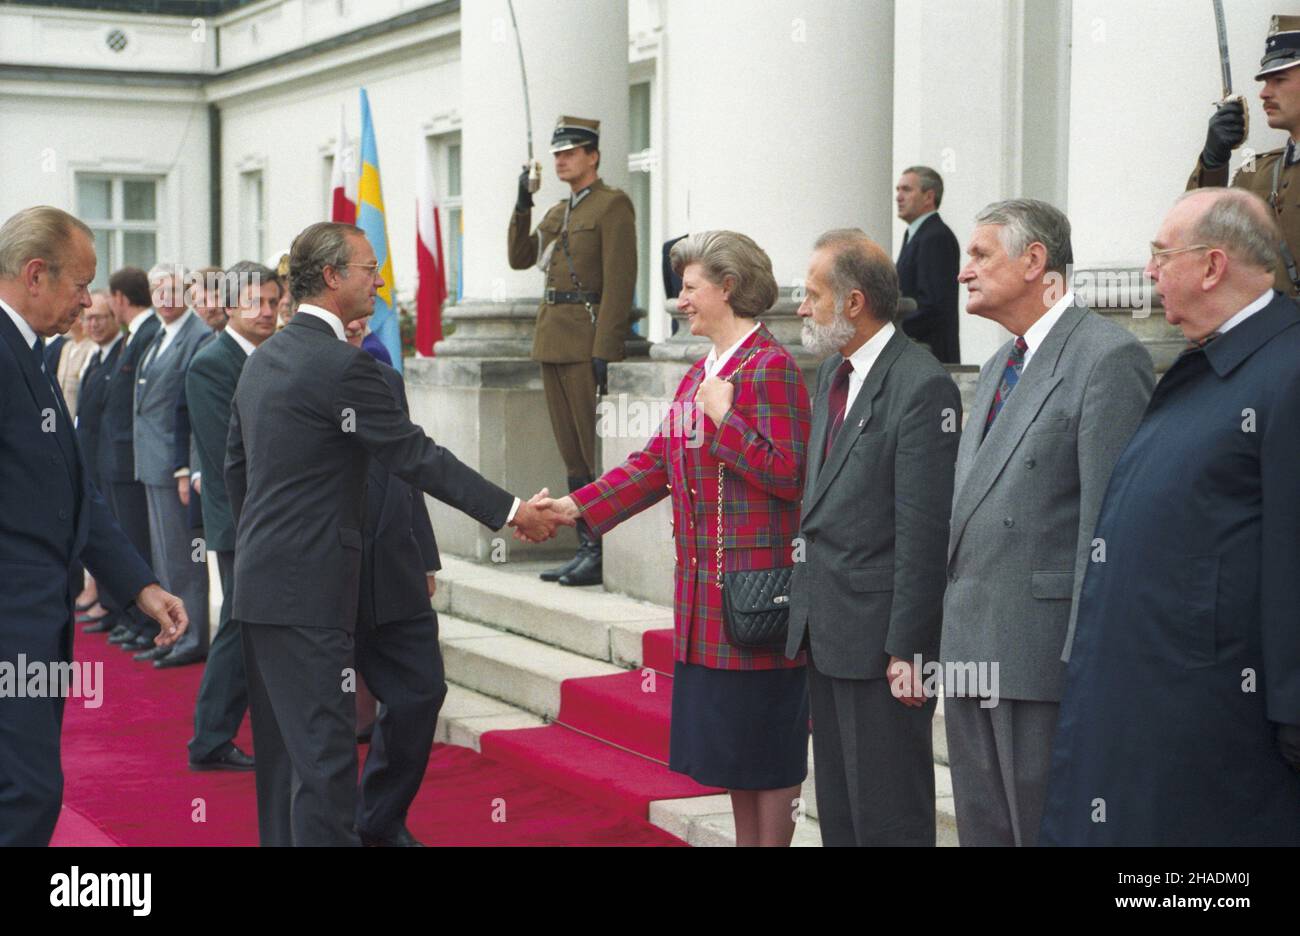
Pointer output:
611, 743
126, 780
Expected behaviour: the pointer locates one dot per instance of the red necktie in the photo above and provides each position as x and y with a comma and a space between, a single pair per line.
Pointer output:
838, 400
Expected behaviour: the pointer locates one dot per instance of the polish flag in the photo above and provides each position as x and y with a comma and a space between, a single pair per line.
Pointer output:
344, 178
431, 290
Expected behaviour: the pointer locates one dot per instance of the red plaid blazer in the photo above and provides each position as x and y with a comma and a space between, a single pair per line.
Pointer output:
763, 442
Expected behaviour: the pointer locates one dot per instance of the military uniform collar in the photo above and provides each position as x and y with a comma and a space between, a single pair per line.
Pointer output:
576, 197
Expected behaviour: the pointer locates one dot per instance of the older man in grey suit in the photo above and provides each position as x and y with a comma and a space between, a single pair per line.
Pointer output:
868, 597
1053, 410
177, 561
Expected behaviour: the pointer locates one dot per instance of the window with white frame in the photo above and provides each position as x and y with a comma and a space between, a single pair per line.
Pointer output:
640, 164
444, 154
122, 211
252, 216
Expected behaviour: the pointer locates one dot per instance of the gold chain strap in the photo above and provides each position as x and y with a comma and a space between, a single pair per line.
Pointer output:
721, 469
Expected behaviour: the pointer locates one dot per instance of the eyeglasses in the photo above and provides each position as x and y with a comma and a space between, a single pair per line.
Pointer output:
372, 267
1158, 253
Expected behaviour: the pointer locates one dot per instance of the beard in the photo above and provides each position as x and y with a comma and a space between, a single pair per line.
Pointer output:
821, 340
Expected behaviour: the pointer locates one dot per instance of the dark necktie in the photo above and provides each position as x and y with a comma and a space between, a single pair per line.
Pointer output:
38, 349
907, 236
1010, 377
838, 402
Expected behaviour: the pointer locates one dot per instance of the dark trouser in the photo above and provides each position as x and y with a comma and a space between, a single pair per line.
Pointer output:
303, 722
31, 775
130, 506
223, 693
873, 761
1000, 758
571, 401
402, 664
179, 563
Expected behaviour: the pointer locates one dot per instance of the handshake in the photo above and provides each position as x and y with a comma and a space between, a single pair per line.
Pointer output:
536, 519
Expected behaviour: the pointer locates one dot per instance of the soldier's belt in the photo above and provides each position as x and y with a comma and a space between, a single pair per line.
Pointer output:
556, 297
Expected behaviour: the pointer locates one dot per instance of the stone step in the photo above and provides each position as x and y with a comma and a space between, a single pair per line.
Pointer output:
586, 621
466, 715
510, 668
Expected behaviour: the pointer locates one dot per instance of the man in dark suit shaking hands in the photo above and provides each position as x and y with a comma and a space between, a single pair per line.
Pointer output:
51, 515
309, 413
927, 264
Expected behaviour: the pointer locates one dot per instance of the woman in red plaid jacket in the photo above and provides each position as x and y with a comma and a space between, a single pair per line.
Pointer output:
740, 716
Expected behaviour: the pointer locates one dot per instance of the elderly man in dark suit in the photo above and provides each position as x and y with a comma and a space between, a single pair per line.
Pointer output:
51, 516
398, 656
296, 478
1053, 409
128, 297
1180, 723
210, 382
101, 327
927, 264
180, 564
868, 597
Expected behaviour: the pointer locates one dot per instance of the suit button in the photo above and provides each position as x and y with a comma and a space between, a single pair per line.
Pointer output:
693, 561
1008, 522
1029, 463
952, 576
63, 515
692, 492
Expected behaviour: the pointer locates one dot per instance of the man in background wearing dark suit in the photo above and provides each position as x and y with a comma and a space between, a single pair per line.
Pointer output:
1180, 722
927, 264
868, 597
128, 296
101, 328
52, 518
309, 413
210, 384
398, 655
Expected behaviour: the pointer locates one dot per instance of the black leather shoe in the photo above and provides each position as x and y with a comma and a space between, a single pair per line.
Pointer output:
180, 659
233, 759
588, 569
136, 644
120, 634
103, 624
401, 839
86, 605
155, 653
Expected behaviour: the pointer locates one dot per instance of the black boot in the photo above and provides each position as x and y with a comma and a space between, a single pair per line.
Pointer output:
554, 575
587, 571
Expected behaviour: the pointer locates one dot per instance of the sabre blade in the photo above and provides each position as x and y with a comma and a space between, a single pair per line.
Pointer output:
1220, 25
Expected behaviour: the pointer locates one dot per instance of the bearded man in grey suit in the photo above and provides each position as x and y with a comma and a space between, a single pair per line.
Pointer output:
1053, 410
868, 597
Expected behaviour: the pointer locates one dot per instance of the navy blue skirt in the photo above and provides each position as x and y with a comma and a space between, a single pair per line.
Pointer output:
740, 729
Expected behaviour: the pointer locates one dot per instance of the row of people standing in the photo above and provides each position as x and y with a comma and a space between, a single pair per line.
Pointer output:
925, 553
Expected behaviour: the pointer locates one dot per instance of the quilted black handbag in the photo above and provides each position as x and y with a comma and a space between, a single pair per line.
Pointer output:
756, 602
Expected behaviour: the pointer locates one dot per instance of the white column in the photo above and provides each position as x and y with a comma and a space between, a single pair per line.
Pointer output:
779, 120
575, 54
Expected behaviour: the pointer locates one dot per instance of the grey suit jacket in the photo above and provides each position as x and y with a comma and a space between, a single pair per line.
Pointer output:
157, 385
1028, 495
875, 517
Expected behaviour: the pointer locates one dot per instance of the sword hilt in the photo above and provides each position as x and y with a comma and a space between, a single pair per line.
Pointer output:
1245, 115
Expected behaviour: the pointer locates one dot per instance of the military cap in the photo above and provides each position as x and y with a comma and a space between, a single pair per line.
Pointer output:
1282, 47
572, 132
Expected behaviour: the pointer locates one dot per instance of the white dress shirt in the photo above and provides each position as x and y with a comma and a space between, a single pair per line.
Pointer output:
137, 323
326, 316
240, 340
916, 223
168, 333
1037, 333
102, 352
863, 359
714, 362
1247, 312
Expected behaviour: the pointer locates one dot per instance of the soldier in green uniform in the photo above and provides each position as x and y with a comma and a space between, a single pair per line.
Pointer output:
1269, 175
585, 247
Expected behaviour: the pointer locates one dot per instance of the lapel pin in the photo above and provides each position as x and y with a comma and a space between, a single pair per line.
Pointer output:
861, 423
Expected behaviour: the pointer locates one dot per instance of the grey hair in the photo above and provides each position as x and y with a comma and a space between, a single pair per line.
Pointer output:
728, 255
39, 233
1240, 223
322, 244
930, 181
860, 263
1026, 221
243, 272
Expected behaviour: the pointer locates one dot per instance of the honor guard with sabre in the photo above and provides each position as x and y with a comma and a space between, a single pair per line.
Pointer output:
585, 247
1269, 175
